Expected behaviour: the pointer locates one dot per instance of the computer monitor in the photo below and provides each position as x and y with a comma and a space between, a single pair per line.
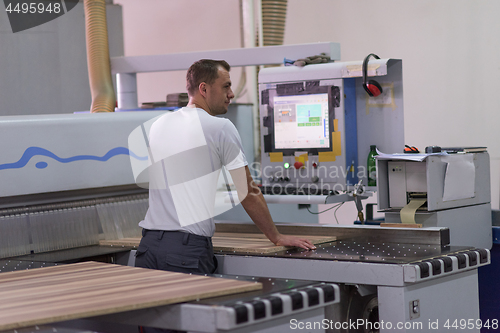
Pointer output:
301, 122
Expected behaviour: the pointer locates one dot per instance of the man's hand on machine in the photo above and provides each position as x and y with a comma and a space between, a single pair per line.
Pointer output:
286, 240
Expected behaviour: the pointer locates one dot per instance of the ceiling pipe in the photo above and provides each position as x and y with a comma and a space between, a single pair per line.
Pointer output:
98, 62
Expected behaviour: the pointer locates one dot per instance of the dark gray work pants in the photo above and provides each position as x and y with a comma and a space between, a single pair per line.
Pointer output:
175, 251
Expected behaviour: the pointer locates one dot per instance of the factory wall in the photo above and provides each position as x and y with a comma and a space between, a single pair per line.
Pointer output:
43, 70
450, 51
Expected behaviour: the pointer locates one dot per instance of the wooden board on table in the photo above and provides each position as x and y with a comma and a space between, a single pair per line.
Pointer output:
234, 242
58, 293
248, 244
130, 242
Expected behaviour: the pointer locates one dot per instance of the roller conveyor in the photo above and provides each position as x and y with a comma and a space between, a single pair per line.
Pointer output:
266, 310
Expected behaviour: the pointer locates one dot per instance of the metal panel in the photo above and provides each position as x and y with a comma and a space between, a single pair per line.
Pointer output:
469, 226
51, 153
63, 229
320, 270
235, 57
436, 169
449, 298
14, 237
351, 132
429, 236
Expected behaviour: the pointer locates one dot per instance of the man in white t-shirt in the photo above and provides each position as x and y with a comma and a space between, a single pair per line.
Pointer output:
190, 149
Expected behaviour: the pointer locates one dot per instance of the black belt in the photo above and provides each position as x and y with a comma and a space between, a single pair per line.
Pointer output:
185, 236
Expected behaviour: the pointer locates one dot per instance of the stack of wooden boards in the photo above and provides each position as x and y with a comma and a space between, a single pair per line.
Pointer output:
59, 293
233, 242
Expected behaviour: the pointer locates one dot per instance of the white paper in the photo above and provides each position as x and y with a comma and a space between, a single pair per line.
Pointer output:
405, 157
460, 177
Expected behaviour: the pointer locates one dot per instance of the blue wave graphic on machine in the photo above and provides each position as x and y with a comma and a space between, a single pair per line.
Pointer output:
30, 152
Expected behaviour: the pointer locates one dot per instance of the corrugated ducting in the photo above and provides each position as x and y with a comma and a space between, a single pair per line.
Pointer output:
101, 85
273, 21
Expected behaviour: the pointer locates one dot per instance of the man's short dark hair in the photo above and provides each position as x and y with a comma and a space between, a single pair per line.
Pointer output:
204, 70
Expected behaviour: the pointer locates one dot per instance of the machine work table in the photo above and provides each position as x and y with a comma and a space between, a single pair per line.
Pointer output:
58, 293
231, 242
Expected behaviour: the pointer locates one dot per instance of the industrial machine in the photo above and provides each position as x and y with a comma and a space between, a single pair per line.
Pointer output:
405, 278
443, 190
317, 124
65, 191
319, 116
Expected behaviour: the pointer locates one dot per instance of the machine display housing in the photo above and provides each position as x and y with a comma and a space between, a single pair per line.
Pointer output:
301, 119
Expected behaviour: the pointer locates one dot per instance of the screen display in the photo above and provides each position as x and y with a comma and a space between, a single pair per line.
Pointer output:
301, 121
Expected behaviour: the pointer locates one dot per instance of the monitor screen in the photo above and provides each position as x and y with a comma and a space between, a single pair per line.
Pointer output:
301, 121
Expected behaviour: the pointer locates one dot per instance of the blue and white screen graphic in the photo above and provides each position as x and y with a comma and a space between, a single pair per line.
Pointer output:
301, 121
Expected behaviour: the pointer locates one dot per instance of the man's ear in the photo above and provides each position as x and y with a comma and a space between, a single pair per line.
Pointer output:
202, 88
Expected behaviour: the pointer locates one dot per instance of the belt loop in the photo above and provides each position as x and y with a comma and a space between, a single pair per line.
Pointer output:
143, 232
160, 234
185, 239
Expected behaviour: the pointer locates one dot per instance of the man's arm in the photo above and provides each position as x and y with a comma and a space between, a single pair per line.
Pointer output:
256, 207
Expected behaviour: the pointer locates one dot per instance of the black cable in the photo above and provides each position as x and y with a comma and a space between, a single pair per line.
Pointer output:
316, 213
335, 213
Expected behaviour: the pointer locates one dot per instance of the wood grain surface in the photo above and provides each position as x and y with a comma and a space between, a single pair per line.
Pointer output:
401, 225
51, 294
233, 242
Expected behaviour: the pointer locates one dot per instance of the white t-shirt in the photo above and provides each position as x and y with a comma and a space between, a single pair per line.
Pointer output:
190, 150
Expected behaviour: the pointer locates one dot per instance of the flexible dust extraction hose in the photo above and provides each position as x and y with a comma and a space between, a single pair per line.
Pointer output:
273, 21
101, 85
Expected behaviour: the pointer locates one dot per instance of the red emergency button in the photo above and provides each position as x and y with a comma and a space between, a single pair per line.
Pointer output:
298, 165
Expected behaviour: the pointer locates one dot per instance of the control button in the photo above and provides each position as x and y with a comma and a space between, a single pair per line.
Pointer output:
315, 179
287, 179
298, 165
315, 165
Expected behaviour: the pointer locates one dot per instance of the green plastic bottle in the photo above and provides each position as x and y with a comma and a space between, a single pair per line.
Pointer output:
372, 166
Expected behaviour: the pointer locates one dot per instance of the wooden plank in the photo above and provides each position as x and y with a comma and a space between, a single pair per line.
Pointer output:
58, 293
401, 225
238, 234
129, 242
233, 242
256, 245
